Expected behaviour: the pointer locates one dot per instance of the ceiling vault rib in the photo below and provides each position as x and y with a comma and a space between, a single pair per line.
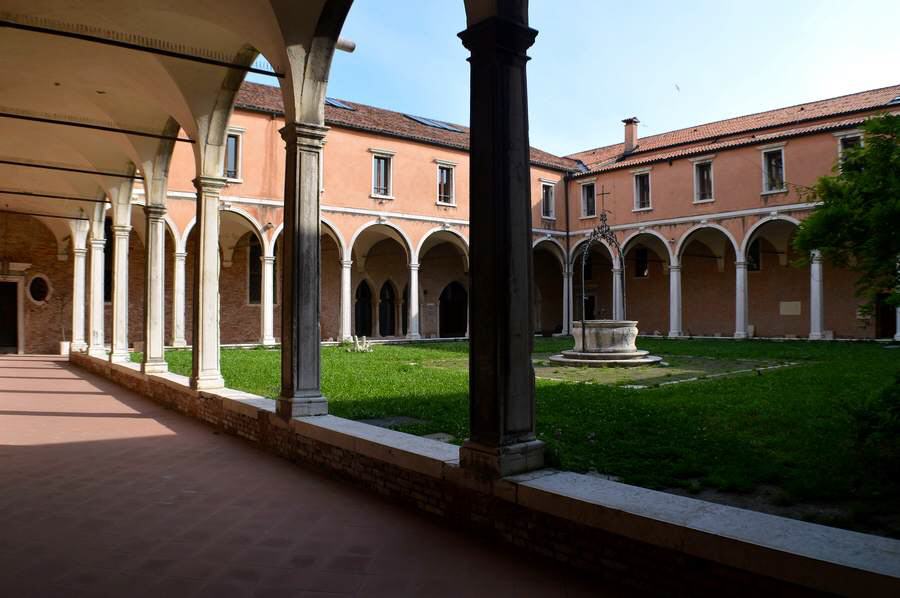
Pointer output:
84, 125
120, 175
139, 48
51, 196
43, 215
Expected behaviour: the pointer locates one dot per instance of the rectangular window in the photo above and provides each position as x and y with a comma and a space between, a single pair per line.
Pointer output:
548, 209
641, 263
845, 144
773, 163
254, 271
642, 191
381, 180
753, 257
445, 184
233, 156
588, 201
703, 181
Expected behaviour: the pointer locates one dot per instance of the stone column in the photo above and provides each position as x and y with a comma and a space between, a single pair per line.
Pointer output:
675, 299
268, 300
178, 293
78, 268
121, 236
897, 329
301, 393
618, 291
414, 302
567, 300
740, 299
816, 313
346, 300
96, 339
501, 377
206, 373
155, 291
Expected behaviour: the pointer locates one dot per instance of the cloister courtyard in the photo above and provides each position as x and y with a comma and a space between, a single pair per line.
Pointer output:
765, 425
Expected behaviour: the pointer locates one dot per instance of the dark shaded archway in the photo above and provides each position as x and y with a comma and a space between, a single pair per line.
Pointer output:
387, 310
453, 311
363, 310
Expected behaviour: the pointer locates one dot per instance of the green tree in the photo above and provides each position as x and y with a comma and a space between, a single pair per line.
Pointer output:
857, 223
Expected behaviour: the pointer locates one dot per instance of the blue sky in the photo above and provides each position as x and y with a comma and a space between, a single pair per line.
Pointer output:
596, 62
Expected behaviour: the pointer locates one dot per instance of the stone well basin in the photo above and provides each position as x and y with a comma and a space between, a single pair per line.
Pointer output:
605, 343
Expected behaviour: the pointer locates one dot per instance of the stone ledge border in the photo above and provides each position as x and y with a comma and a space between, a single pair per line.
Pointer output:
626, 535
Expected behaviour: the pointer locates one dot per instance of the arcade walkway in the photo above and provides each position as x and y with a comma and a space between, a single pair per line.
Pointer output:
104, 493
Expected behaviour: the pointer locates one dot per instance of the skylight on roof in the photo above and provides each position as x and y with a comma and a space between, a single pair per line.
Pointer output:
429, 122
338, 104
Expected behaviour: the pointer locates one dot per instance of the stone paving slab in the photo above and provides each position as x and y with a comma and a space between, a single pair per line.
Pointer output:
104, 493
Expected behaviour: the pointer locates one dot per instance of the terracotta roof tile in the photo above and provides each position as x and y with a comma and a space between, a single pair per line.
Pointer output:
710, 134
265, 98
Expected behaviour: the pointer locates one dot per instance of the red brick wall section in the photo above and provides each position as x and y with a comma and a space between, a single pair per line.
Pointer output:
647, 298
548, 292
707, 295
27, 240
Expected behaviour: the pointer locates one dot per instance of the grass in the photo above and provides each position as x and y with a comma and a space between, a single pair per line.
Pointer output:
789, 428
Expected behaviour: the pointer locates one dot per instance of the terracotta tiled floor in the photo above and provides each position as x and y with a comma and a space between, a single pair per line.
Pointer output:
104, 493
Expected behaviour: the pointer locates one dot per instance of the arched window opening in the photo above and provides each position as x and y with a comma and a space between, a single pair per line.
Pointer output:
254, 271
454, 311
387, 310
363, 310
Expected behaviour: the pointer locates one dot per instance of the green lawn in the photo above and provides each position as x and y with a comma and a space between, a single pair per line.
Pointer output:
789, 428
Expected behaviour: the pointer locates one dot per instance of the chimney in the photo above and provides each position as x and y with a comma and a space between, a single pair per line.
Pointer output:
630, 133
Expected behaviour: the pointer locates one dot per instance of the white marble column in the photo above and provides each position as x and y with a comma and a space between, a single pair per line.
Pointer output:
121, 236
346, 300
268, 300
567, 300
96, 339
178, 294
206, 373
618, 291
816, 312
414, 331
675, 299
78, 268
740, 299
897, 329
154, 291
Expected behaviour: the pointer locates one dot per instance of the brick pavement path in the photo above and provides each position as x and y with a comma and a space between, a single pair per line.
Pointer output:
105, 493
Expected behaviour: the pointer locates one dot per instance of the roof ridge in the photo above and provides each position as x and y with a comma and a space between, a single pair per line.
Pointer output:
732, 118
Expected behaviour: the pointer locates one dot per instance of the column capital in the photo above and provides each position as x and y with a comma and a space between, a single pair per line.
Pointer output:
154, 211
740, 263
346, 263
414, 266
180, 255
816, 256
210, 184
82, 251
97, 243
121, 230
617, 270
498, 35
310, 135
267, 259
675, 267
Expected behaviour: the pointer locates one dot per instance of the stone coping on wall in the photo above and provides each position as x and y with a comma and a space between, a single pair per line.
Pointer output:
812, 556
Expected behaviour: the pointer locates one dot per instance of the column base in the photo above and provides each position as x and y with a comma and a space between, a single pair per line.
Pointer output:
154, 367
78, 347
502, 461
179, 343
816, 336
301, 407
119, 356
214, 382
675, 334
269, 342
897, 337
414, 336
100, 353
740, 335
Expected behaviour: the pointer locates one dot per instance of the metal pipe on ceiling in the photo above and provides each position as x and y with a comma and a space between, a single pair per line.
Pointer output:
50, 196
120, 175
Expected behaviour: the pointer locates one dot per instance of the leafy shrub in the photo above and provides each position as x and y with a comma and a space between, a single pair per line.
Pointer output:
878, 433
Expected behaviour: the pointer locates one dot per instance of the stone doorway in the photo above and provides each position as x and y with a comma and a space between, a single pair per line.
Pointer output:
9, 317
